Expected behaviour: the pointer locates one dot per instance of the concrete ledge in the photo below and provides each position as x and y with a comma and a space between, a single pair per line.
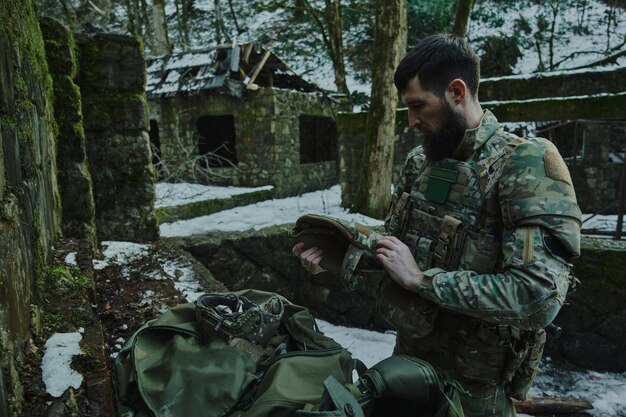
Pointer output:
599, 106
203, 208
553, 84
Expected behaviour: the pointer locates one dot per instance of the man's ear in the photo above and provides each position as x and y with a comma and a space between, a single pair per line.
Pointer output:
457, 90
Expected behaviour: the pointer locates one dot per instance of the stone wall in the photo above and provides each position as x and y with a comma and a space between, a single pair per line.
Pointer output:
267, 146
75, 183
596, 172
29, 198
593, 320
112, 82
596, 178
263, 260
552, 84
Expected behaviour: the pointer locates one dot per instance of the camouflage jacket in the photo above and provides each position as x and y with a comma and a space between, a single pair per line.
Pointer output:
493, 228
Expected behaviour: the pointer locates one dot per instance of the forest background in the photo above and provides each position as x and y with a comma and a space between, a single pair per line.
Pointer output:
510, 36
351, 47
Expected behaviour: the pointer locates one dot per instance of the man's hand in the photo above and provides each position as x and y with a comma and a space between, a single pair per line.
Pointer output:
398, 260
309, 259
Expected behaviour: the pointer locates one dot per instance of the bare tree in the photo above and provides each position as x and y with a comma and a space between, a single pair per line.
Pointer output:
182, 20
161, 43
220, 29
462, 15
335, 40
298, 11
374, 190
555, 6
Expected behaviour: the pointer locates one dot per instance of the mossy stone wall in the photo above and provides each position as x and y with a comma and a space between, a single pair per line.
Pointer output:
29, 199
263, 260
112, 82
76, 187
594, 318
557, 84
267, 138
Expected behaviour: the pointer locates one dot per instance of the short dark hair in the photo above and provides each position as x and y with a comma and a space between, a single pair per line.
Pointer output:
437, 60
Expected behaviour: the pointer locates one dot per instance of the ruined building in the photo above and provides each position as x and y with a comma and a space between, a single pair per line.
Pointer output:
237, 115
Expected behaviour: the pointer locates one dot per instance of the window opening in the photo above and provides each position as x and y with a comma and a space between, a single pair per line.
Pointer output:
216, 141
318, 139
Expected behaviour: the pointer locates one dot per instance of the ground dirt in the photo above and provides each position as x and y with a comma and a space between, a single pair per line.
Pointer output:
108, 305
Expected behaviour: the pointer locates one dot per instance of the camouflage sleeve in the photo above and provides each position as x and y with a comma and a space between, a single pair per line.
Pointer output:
542, 231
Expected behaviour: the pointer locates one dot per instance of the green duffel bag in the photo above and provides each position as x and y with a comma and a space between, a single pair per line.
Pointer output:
171, 367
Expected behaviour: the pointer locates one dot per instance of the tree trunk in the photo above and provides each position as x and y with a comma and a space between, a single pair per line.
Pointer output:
374, 190
298, 11
219, 24
462, 15
555, 14
335, 31
161, 44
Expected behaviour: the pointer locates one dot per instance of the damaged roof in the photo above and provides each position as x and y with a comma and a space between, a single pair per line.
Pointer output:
226, 69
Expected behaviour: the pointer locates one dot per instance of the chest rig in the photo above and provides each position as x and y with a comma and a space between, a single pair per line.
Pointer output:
450, 218
449, 214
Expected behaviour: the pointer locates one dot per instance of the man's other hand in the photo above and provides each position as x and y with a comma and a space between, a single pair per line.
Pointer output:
398, 260
309, 259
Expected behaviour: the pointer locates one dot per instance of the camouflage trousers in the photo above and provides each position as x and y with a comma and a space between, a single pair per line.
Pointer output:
478, 400
495, 405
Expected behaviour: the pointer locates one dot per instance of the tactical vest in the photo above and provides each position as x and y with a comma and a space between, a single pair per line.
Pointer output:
450, 218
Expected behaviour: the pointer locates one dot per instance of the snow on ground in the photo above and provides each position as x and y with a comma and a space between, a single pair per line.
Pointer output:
268, 213
168, 194
604, 390
369, 346
601, 222
56, 372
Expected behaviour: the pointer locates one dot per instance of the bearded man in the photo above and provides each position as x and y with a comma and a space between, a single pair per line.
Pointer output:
481, 231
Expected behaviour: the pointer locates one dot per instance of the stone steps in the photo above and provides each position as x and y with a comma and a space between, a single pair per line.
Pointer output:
206, 207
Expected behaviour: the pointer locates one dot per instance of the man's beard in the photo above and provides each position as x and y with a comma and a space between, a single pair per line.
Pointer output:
443, 142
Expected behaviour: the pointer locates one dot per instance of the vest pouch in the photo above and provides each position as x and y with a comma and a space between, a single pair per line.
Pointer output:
480, 252
422, 250
449, 243
483, 354
523, 378
410, 314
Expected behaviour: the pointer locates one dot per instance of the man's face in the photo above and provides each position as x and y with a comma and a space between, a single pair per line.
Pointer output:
441, 126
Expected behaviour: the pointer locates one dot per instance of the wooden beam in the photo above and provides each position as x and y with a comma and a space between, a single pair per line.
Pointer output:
550, 406
257, 70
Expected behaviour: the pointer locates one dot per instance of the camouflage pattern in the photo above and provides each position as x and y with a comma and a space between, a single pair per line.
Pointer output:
494, 252
345, 244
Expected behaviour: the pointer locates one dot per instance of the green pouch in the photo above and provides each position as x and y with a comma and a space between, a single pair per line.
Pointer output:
295, 379
439, 183
523, 379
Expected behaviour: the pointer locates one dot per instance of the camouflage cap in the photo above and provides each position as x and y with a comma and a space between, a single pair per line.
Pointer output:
334, 236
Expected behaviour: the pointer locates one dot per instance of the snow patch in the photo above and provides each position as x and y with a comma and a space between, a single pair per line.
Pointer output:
268, 213
56, 372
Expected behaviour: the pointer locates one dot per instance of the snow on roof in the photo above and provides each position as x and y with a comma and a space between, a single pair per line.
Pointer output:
224, 67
